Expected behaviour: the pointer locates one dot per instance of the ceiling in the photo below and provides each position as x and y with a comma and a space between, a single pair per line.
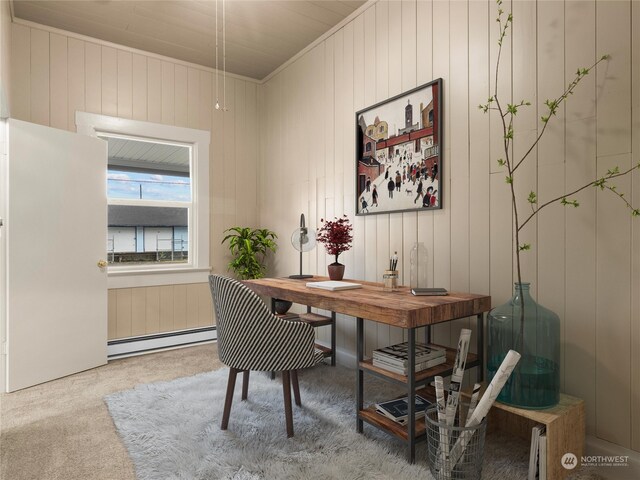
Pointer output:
147, 156
261, 35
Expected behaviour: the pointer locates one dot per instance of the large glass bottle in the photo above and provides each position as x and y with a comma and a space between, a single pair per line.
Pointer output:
534, 332
419, 258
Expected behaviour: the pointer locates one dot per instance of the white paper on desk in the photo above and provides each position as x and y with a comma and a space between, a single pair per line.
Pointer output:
334, 285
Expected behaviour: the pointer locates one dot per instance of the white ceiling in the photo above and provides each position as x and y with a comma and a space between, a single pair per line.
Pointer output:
128, 154
261, 35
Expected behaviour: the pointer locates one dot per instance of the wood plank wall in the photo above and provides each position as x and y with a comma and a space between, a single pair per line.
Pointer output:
585, 262
53, 75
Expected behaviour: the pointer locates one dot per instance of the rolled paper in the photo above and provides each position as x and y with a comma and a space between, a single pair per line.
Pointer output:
474, 400
440, 408
484, 405
456, 376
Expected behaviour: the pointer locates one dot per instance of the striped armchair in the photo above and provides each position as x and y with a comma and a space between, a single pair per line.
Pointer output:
250, 337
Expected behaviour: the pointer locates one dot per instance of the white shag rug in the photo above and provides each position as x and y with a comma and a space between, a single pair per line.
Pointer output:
172, 431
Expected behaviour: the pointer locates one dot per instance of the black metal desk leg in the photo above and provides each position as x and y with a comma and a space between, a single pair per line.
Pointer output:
480, 347
333, 339
411, 380
360, 375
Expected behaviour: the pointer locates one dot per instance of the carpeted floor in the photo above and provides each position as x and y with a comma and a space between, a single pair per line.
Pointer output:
61, 430
171, 430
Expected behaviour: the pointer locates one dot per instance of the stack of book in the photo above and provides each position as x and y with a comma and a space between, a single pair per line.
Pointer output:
395, 357
398, 410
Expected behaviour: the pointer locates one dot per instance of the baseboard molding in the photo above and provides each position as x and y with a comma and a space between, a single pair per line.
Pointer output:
151, 343
597, 447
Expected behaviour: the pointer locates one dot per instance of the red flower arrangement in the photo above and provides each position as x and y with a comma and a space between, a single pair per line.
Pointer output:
336, 235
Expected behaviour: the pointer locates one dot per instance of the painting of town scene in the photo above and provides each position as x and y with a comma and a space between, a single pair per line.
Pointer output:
398, 153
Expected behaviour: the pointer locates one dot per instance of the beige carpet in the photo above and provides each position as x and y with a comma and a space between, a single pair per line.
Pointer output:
62, 430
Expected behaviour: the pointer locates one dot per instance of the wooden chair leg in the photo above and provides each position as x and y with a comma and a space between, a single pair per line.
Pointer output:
245, 384
288, 414
231, 385
296, 387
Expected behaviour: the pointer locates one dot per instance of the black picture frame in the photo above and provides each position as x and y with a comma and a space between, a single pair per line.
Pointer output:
409, 156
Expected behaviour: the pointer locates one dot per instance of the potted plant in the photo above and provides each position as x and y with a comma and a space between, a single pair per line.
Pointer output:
336, 237
522, 324
249, 248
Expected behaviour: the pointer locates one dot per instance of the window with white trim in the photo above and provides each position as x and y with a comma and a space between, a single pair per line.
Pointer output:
191, 177
149, 201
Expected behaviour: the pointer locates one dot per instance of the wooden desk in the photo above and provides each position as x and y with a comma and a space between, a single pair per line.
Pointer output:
400, 309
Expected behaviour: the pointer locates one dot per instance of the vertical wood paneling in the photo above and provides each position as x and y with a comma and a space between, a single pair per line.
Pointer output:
205, 307
580, 252
39, 95
193, 95
20, 72
460, 235
442, 218
58, 80
181, 96
154, 90
152, 304
635, 247
179, 307
168, 92
75, 81
166, 308
550, 241
125, 84
139, 87
192, 306
109, 81
613, 231
93, 77
123, 309
138, 311
112, 315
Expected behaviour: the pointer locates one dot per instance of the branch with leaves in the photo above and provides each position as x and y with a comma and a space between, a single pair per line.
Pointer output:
507, 116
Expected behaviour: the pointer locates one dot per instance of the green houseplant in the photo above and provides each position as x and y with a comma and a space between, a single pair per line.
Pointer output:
249, 248
521, 323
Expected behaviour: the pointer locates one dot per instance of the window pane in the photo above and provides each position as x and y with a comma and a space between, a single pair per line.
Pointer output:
147, 235
147, 186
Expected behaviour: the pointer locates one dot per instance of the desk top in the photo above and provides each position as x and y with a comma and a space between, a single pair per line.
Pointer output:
399, 308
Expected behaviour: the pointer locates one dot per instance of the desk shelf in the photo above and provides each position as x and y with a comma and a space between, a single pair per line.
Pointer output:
423, 376
372, 417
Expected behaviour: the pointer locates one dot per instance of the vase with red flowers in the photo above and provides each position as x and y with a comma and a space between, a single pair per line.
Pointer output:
336, 237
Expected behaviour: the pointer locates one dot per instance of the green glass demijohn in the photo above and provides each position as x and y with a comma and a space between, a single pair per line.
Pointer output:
535, 382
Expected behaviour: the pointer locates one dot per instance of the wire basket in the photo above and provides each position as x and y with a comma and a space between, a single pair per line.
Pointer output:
443, 440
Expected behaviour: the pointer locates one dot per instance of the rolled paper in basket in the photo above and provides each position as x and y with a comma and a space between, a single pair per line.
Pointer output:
484, 405
474, 400
440, 406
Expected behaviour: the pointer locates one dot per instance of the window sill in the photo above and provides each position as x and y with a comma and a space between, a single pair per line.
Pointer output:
152, 277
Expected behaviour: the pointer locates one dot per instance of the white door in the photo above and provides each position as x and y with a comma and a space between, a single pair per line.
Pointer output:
56, 234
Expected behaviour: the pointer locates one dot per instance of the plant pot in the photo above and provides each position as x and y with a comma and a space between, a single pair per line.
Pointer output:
282, 306
535, 382
336, 271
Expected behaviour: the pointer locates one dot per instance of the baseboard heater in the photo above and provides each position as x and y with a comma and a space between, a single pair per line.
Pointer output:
145, 344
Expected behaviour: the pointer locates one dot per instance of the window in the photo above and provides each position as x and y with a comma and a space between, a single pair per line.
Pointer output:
158, 200
149, 198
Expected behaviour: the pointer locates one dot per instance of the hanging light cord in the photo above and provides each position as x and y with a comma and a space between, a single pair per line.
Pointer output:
217, 98
224, 57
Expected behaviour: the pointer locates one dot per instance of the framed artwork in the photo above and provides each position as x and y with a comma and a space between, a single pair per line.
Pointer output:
399, 152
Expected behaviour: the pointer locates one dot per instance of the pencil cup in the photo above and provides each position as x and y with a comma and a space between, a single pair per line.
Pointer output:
441, 439
390, 280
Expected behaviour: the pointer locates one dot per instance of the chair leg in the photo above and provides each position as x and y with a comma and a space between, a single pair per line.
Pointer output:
245, 384
296, 387
286, 388
231, 384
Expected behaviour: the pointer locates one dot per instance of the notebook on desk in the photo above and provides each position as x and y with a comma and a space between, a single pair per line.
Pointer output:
334, 285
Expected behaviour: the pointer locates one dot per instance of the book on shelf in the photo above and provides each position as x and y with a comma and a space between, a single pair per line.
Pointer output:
402, 370
536, 451
399, 354
288, 316
333, 285
398, 409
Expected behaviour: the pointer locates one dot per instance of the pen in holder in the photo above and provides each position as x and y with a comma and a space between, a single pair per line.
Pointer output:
390, 280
